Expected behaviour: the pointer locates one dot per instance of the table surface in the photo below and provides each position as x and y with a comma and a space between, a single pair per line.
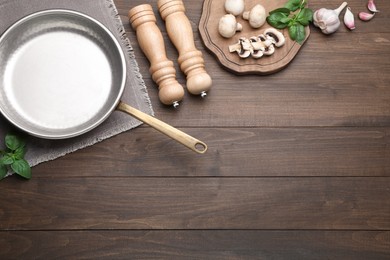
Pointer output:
298, 165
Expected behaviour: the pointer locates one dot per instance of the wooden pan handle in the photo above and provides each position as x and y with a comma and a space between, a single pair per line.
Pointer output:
179, 136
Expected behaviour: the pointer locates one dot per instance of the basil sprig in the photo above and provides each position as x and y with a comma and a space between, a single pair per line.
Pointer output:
294, 16
12, 158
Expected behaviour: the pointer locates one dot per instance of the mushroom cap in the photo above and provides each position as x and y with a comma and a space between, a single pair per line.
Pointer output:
257, 16
234, 7
227, 25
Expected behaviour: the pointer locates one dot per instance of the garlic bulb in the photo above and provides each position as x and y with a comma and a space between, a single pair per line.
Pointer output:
327, 19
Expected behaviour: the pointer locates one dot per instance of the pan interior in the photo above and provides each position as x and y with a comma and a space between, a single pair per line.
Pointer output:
61, 73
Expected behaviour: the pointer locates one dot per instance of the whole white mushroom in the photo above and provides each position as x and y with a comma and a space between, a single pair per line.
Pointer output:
256, 16
228, 26
234, 7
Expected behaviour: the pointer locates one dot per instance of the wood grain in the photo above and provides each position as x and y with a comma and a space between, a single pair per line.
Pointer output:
298, 164
238, 244
197, 203
261, 152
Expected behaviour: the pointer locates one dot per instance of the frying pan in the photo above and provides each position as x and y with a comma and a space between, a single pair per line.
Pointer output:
62, 73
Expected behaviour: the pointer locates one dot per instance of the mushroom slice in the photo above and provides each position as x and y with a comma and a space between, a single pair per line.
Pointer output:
256, 44
257, 54
266, 41
257, 47
242, 47
275, 36
235, 47
269, 50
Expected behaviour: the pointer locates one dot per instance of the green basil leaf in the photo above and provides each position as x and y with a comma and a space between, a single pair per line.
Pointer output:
292, 31
281, 10
285, 20
275, 20
3, 171
7, 160
297, 33
293, 5
13, 142
22, 168
303, 4
305, 16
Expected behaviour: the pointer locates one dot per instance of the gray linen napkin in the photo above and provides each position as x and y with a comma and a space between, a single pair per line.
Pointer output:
135, 94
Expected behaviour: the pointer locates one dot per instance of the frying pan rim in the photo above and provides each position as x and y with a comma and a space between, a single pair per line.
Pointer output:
108, 110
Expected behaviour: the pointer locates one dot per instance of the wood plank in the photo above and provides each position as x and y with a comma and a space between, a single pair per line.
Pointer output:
196, 203
310, 92
187, 244
194, 9
233, 152
322, 87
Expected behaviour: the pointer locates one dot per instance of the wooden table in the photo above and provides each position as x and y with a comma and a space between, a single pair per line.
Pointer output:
298, 165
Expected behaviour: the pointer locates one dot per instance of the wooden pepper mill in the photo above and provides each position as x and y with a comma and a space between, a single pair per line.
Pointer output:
181, 34
150, 39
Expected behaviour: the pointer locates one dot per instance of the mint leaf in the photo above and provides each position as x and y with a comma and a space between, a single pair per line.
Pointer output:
22, 168
7, 160
13, 157
13, 142
20, 152
305, 16
293, 5
278, 20
3, 171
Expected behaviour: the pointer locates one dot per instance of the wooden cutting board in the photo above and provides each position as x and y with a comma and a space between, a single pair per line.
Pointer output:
213, 10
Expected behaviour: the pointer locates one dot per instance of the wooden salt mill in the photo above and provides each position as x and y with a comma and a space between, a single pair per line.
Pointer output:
181, 34
150, 39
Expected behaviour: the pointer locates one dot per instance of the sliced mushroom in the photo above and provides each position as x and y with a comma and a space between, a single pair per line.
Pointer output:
269, 50
266, 41
276, 36
257, 44
242, 47
257, 47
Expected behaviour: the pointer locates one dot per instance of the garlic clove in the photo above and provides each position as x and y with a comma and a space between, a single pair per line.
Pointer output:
371, 6
349, 19
366, 16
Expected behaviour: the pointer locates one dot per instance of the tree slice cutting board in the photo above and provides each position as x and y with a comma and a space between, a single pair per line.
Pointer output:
213, 10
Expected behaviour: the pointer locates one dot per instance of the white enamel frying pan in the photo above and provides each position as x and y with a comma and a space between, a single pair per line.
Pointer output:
62, 73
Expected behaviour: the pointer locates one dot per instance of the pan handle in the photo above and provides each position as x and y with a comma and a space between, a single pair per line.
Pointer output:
179, 136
